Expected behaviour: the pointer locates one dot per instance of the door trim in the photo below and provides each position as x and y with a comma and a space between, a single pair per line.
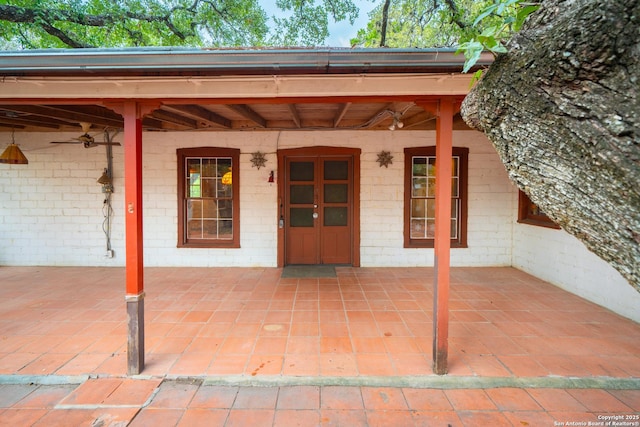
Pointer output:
321, 151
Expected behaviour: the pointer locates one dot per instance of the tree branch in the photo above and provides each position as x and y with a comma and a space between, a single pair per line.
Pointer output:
19, 14
385, 19
65, 38
455, 15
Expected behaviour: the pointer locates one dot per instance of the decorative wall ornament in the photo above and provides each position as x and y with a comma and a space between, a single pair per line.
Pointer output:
258, 159
385, 159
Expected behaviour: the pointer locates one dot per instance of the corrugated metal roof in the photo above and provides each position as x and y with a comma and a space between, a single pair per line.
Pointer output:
267, 61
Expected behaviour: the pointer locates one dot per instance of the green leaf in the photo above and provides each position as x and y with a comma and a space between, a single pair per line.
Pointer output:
523, 14
485, 13
476, 77
472, 51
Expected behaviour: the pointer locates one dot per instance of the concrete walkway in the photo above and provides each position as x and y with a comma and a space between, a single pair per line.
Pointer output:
214, 402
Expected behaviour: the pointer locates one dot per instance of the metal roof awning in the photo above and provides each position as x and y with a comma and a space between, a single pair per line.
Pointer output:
186, 61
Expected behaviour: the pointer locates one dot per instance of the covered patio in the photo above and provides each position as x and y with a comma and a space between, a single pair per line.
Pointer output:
361, 327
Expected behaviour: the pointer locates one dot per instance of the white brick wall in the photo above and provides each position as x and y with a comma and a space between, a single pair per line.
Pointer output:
559, 258
51, 210
56, 205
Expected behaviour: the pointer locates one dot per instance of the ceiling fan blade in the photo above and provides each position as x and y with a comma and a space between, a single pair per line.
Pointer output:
106, 143
65, 142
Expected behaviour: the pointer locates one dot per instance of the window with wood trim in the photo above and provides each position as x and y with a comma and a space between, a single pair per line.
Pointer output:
208, 197
420, 201
530, 213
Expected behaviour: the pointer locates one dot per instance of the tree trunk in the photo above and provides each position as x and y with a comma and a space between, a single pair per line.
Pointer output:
562, 110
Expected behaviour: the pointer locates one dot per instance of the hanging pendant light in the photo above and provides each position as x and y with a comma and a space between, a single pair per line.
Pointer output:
12, 153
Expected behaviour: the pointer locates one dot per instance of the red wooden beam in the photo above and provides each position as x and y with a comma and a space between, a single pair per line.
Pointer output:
133, 198
442, 244
132, 112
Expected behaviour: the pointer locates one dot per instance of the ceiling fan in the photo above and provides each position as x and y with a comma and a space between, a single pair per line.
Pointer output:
85, 139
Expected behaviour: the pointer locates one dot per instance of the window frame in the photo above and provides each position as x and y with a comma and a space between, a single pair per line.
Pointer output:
208, 153
463, 154
526, 217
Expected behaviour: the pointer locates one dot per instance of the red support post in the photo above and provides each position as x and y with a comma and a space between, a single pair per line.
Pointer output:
133, 241
133, 198
442, 244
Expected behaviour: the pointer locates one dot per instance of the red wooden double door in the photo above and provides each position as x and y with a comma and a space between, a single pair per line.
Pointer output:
318, 208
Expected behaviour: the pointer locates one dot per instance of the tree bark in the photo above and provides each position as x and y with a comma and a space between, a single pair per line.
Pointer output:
562, 110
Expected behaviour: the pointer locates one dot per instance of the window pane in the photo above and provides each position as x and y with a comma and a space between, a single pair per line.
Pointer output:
419, 166
431, 208
431, 228
335, 216
224, 187
432, 166
225, 229
418, 208
454, 166
419, 188
194, 229
194, 209
455, 215
301, 171
454, 187
208, 187
210, 229
431, 191
418, 229
193, 185
301, 194
225, 209
301, 217
223, 166
336, 170
209, 209
193, 166
336, 193
193, 177
208, 168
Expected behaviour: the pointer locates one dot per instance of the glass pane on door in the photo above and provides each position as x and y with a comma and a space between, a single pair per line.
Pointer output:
301, 194
301, 217
336, 170
336, 193
301, 171
335, 216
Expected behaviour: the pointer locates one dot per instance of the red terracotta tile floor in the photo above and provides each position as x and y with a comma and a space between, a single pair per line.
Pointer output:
365, 327
365, 321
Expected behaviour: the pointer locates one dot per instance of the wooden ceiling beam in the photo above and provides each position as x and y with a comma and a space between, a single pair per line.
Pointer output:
26, 122
175, 119
246, 112
68, 115
343, 110
295, 115
199, 113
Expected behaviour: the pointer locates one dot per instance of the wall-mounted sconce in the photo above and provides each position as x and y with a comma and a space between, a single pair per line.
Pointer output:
271, 177
12, 154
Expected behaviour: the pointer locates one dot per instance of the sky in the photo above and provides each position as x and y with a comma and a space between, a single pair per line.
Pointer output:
341, 32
